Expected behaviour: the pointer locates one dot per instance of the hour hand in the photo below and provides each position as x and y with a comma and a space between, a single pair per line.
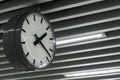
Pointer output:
38, 39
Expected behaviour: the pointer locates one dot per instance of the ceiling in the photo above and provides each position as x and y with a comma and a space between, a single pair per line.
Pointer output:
97, 59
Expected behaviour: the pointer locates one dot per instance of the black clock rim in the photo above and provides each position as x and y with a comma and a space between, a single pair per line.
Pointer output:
9, 45
17, 39
18, 43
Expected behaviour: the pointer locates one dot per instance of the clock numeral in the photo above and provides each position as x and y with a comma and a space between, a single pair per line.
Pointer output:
51, 50
47, 59
41, 62
34, 18
47, 27
34, 62
23, 30
27, 21
23, 42
41, 20
51, 39
27, 54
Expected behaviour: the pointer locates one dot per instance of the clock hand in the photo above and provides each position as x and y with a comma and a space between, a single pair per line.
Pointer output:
45, 49
45, 34
39, 39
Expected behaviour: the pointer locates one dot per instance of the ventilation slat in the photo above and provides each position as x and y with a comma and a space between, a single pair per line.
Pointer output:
88, 30
5, 62
1, 0
64, 4
2, 55
4, 17
17, 4
102, 77
88, 55
109, 76
54, 73
110, 35
71, 19
87, 47
87, 20
5, 66
45, 78
84, 10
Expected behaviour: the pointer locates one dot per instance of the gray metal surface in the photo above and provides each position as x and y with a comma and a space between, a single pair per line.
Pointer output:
70, 19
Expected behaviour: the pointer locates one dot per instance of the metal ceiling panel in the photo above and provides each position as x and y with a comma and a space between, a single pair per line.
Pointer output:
71, 19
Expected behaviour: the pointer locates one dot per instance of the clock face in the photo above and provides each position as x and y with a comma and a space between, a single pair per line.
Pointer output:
37, 40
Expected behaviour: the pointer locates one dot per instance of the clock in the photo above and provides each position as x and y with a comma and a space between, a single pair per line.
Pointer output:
29, 41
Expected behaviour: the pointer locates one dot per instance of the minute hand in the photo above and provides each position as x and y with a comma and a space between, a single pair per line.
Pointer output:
45, 49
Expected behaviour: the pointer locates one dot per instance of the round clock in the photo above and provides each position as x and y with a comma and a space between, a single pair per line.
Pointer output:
29, 41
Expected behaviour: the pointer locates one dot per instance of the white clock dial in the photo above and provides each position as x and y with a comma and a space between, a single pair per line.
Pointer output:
37, 40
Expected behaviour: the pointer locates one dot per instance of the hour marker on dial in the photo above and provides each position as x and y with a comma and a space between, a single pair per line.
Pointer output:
34, 62
51, 39
23, 30
34, 18
41, 20
51, 50
27, 54
41, 62
47, 59
23, 42
27, 21
47, 27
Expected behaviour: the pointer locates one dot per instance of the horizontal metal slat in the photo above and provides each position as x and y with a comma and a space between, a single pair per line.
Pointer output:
5, 66
70, 68
4, 17
86, 62
1, 0
82, 48
17, 4
51, 73
87, 20
45, 78
2, 55
84, 10
64, 4
63, 64
83, 59
108, 47
87, 55
5, 62
63, 57
109, 36
3, 59
117, 78
73, 78
88, 30
110, 76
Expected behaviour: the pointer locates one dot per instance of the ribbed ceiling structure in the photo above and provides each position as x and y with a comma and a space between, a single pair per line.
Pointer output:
94, 59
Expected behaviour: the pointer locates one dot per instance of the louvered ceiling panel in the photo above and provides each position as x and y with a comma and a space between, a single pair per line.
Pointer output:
1, 0
71, 19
